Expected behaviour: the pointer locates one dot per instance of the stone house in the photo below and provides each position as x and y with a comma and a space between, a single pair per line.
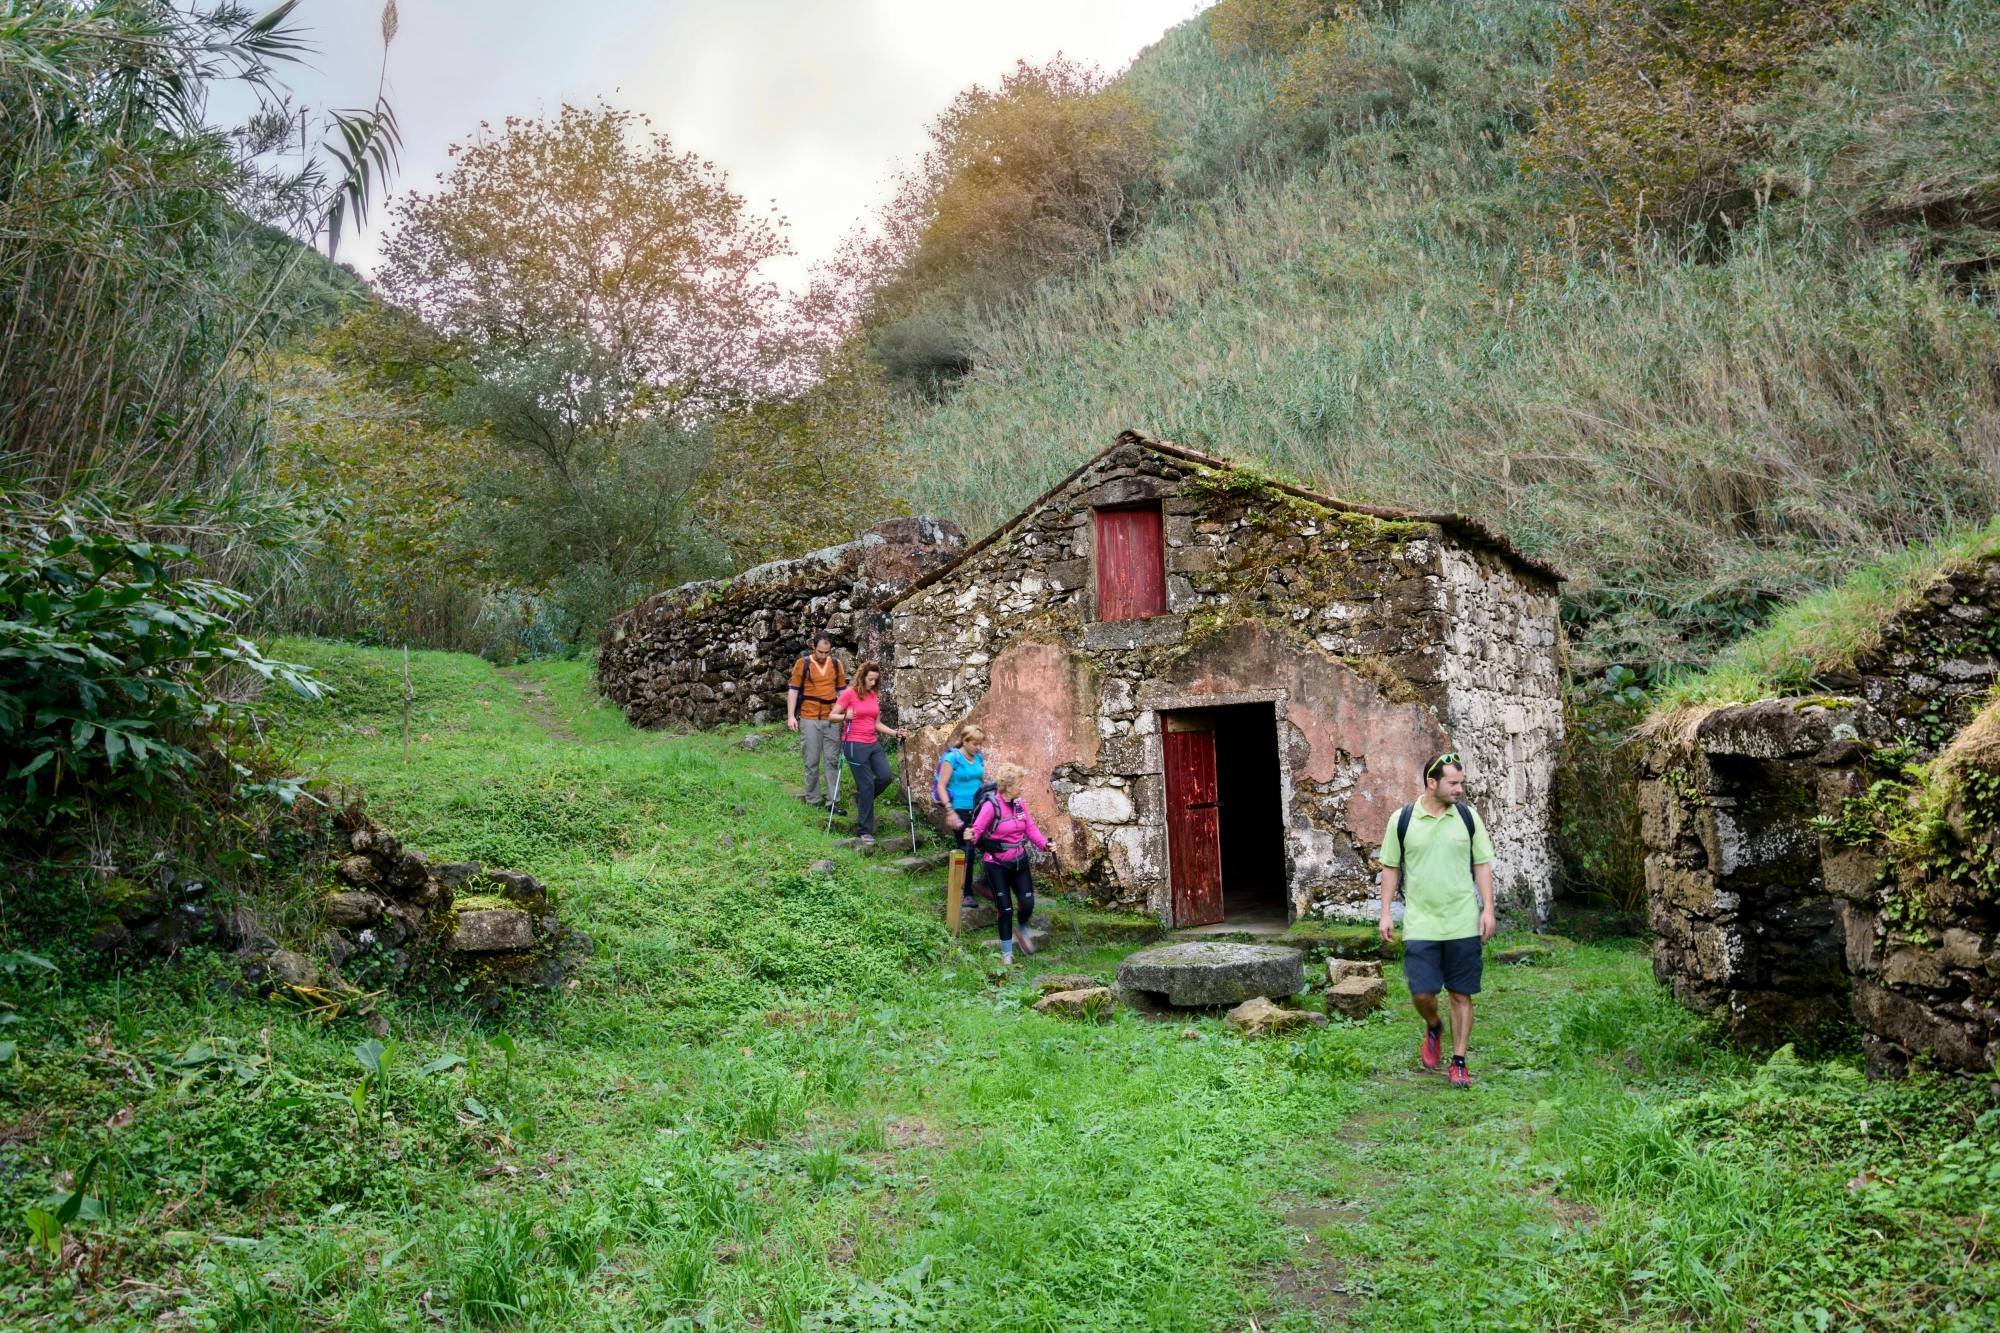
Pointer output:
1222, 687
1815, 859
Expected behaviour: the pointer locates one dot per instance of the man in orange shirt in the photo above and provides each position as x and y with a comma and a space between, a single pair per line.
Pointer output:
817, 680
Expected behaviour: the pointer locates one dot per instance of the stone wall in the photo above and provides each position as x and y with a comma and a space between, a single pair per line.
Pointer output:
1917, 880
388, 918
1743, 926
1336, 620
1503, 709
718, 652
1810, 860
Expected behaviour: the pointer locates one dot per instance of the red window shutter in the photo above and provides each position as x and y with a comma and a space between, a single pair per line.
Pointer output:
1131, 564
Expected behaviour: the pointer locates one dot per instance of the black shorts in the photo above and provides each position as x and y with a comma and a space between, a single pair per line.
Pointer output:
1454, 965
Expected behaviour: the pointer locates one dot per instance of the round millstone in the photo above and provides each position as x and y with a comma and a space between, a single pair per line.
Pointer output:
1199, 974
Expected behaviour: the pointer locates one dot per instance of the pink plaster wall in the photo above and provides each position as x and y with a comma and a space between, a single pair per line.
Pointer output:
1039, 711
1335, 709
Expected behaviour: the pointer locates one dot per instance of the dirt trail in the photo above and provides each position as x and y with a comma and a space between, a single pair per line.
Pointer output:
535, 698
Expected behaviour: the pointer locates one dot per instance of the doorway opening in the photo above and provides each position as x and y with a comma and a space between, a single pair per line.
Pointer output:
1225, 816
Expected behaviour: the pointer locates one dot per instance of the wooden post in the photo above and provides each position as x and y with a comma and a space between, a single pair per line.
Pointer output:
954, 891
406, 705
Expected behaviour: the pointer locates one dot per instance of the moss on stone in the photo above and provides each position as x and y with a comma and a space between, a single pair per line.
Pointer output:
484, 902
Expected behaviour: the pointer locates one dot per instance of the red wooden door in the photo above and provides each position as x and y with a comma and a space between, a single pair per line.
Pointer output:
1194, 842
1131, 564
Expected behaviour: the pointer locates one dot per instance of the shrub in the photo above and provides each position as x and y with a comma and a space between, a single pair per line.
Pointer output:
113, 654
1645, 123
1021, 182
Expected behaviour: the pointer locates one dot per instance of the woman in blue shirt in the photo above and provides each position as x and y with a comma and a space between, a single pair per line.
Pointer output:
961, 773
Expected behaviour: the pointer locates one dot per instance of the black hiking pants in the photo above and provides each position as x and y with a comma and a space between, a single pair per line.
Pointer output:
872, 776
973, 860
1011, 883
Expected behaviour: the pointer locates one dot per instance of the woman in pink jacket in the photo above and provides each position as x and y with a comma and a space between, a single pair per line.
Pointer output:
1000, 833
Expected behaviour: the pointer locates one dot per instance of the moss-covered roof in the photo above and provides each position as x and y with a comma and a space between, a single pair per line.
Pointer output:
1467, 530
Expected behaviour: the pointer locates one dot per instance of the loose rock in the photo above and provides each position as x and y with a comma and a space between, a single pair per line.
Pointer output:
1258, 1017
1356, 997
1061, 981
1339, 969
823, 867
1090, 1002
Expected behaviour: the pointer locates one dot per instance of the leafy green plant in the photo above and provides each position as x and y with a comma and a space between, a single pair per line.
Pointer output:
47, 1219
112, 653
370, 1097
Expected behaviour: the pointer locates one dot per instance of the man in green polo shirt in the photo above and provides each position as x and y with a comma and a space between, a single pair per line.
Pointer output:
1436, 850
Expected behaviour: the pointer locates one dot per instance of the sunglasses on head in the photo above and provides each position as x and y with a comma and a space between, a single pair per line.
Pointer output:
1438, 765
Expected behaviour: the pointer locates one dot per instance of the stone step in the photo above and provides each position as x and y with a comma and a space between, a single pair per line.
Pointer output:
1038, 937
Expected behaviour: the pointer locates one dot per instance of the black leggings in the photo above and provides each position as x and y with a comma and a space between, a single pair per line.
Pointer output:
973, 860
1010, 880
872, 777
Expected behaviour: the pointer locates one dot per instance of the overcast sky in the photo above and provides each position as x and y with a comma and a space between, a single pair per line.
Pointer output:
807, 104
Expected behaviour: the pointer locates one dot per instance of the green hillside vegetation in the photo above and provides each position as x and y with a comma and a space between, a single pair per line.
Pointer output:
781, 1099
1826, 631
1351, 276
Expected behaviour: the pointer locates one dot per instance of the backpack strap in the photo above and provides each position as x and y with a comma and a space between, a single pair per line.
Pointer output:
1471, 835
1403, 835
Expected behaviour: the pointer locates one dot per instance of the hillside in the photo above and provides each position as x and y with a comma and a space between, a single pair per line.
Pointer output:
1350, 279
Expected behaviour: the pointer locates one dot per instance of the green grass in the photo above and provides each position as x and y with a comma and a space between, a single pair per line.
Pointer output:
787, 1102
1828, 630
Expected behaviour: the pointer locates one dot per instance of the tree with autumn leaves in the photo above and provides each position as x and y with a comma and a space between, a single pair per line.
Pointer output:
607, 291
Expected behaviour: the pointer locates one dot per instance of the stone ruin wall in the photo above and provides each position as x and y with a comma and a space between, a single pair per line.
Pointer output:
388, 918
1772, 908
718, 652
1503, 707
1335, 618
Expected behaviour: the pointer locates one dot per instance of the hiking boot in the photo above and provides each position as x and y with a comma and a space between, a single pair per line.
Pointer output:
867, 840
1432, 1050
1461, 1077
1022, 942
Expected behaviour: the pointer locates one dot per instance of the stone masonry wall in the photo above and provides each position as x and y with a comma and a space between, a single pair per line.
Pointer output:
1334, 620
1782, 894
1743, 926
717, 652
1917, 878
1503, 709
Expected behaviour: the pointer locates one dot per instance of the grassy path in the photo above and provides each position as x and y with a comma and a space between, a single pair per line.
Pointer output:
778, 1099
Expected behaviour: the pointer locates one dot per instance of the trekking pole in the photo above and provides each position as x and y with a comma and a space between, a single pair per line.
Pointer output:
839, 760
833, 800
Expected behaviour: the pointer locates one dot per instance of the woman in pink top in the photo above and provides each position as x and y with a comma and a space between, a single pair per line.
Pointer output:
1001, 832
858, 710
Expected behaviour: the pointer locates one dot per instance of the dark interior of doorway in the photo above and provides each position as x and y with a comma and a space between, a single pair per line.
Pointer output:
1251, 819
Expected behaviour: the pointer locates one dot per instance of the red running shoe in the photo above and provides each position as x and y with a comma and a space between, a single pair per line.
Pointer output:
1433, 1049
1461, 1077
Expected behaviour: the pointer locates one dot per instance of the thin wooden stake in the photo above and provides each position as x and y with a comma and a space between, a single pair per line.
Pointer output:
954, 891
406, 705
